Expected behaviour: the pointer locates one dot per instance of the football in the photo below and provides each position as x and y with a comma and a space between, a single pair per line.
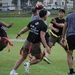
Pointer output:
39, 7
48, 13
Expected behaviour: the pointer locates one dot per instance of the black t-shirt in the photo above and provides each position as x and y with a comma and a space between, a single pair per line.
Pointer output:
59, 28
35, 27
2, 32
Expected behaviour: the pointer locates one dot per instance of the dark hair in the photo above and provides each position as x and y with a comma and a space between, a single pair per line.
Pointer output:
42, 13
62, 10
34, 9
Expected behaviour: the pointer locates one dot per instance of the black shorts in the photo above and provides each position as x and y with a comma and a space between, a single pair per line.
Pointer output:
71, 42
3, 44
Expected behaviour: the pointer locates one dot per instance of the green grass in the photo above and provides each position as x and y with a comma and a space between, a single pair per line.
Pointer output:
57, 57
24, 13
19, 23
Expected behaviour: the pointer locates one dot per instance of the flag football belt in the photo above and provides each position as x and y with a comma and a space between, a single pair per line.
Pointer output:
6, 40
29, 50
54, 34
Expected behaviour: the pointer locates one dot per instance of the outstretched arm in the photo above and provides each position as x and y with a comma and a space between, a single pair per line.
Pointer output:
25, 29
6, 25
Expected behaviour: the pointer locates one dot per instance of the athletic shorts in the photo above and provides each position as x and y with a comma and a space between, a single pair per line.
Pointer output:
34, 49
3, 44
54, 39
71, 42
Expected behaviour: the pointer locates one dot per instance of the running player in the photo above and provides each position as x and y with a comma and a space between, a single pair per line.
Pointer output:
35, 16
70, 34
56, 27
3, 35
36, 34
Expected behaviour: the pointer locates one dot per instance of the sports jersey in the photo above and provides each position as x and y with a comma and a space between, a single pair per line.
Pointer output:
59, 28
2, 31
35, 27
70, 19
35, 17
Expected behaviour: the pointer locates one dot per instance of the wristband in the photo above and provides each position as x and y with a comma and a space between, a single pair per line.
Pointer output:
18, 34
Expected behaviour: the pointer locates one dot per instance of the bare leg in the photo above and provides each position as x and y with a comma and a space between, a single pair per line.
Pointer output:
19, 61
69, 60
46, 54
36, 60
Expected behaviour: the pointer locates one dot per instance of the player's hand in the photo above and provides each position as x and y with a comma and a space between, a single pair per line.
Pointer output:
18, 35
48, 49
54, 21
56, 30
10, 25
63, 41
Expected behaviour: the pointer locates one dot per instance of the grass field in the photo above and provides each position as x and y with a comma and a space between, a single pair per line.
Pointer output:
19, 23
58, 64
58, 56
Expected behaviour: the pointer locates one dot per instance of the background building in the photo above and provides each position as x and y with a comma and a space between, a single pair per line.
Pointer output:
55, 2
7, 3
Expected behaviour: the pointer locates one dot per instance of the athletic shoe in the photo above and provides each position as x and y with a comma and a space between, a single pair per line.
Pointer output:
71, 73
26, 66
13, 72
47, 60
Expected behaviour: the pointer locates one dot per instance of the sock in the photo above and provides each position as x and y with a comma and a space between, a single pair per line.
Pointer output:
29, 63
71, 70
13, 70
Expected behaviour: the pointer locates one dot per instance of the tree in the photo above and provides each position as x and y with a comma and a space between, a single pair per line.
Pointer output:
14, 2
73, 4
65, 4
37, 0
23, 2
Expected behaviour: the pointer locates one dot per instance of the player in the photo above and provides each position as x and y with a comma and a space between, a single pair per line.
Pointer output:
70, 34
3, 35
35, 16
56, 27
36, 34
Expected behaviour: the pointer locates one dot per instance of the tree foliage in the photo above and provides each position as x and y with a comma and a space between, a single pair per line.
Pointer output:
14, 2
73, 4
65, 4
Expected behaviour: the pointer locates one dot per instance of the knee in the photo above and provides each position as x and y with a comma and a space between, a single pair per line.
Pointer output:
39, 60
23, 58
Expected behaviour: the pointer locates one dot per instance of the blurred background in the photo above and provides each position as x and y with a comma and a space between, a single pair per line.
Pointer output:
22, 8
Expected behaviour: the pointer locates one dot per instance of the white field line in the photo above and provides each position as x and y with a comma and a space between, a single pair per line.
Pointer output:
17, 40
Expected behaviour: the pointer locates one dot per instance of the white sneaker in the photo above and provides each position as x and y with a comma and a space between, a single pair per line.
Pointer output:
26, 66
13, 72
